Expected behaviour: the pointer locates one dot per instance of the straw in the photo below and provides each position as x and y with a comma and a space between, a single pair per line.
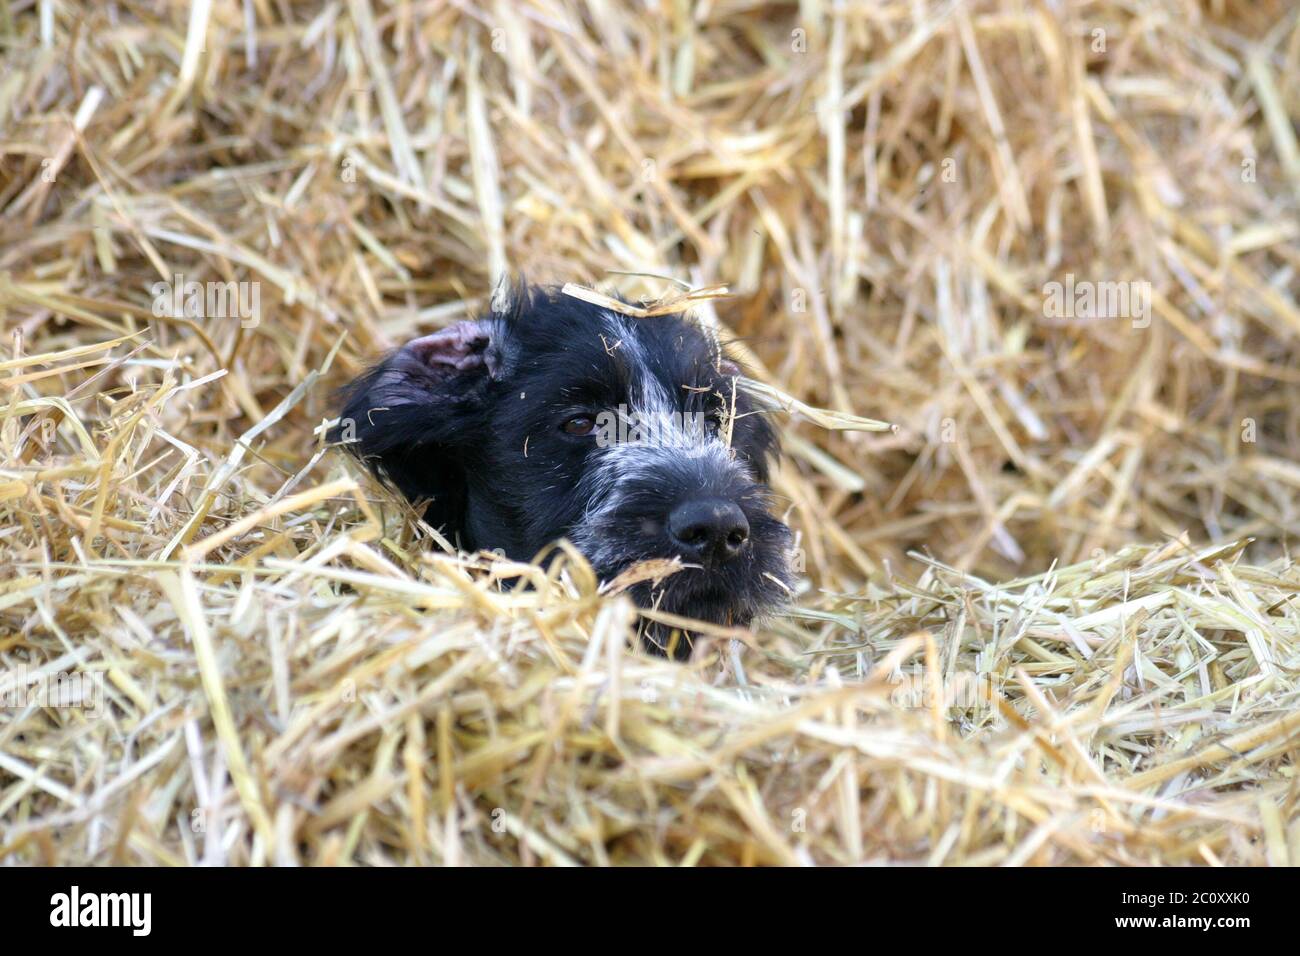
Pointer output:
1046, 610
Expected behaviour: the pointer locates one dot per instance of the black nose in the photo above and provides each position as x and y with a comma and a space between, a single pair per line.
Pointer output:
709, 529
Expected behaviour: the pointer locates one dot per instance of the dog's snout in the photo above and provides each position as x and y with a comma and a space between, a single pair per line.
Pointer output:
712, 530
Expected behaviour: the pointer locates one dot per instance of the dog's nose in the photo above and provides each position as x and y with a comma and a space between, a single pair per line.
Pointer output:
710, 529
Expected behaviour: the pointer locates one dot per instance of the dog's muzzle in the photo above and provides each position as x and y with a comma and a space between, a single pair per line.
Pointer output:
708, 510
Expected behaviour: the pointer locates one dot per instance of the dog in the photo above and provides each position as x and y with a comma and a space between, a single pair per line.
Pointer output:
550, 417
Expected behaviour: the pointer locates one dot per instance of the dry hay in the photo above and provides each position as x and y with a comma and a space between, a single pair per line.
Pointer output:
283, 667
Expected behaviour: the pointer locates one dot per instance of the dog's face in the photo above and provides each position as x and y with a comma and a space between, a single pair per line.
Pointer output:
556, 418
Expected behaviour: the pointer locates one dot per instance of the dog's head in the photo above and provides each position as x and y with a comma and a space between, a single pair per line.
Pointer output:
556, 418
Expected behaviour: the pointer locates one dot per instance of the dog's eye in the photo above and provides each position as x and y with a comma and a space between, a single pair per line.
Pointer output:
579, 425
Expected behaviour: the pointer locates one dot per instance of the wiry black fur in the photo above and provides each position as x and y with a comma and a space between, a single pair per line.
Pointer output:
470, 423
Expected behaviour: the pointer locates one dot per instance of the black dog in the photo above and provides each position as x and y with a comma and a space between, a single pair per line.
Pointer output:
552, 417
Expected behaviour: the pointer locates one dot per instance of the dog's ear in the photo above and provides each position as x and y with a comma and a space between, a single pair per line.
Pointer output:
449, 364
407, 417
